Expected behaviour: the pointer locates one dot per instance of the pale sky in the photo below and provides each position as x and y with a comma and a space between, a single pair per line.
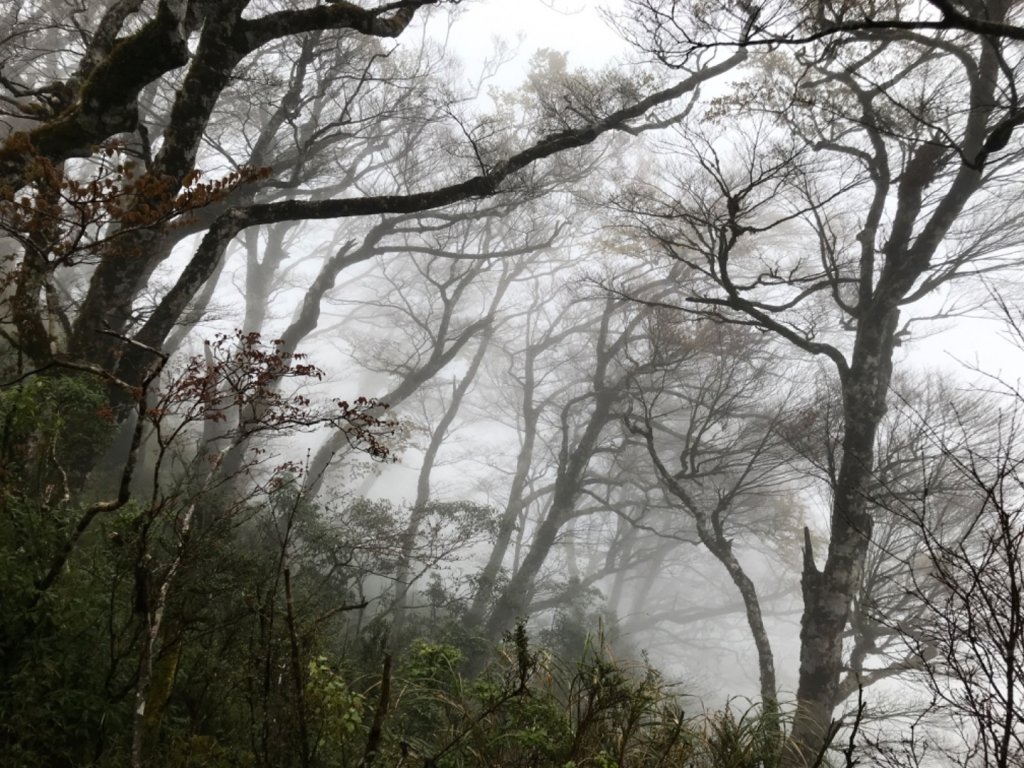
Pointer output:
571, 26
577, 27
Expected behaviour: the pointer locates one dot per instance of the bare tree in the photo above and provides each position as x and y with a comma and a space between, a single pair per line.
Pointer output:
584, 418
864, 185
524, 368
89, 97
425, 311
708, 401
964, 642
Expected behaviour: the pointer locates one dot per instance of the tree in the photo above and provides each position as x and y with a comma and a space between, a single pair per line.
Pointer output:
962, 641
451, 279
861, 188
585, 415
706, 400
971, 641
98, 102
144, 556
536, 383
412, 334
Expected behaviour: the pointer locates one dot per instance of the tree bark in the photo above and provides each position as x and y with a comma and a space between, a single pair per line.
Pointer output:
828, 593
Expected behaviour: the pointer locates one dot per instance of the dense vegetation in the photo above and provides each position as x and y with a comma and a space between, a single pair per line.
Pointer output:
264, 654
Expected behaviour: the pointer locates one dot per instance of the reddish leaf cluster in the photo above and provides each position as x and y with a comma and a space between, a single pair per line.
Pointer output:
68, 218
367, 427
239, 380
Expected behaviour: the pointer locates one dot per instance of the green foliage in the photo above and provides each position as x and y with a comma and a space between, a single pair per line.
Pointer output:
64, 671
51, 428
65, 656
335, 710
529, 709
620, 714
728, 740
247, 673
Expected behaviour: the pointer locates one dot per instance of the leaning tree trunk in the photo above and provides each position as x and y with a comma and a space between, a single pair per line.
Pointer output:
713, 536
721, 548
488, 577
404, 578
515, 599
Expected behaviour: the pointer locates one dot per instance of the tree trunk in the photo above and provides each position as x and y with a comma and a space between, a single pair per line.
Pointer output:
828, 593
403, 580
514, 505
515, 599
755, 620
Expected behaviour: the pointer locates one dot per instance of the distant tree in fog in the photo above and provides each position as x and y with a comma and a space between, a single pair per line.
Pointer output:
710, 410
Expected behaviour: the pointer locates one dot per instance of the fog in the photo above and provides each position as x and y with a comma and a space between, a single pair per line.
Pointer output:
535, 383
